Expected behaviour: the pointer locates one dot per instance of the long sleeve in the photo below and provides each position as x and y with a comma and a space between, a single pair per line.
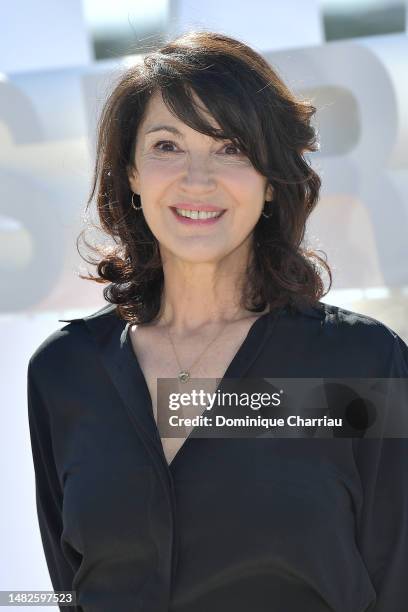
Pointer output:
48, 490
383, 529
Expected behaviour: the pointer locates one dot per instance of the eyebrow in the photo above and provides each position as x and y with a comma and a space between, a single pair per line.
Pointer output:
168, 128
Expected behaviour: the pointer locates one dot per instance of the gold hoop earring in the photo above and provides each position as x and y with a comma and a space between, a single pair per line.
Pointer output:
133, 204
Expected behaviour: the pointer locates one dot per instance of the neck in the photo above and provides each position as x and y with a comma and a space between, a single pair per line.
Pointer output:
201, 294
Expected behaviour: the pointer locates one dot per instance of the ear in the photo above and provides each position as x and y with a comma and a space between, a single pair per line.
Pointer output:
269, 193
134, 181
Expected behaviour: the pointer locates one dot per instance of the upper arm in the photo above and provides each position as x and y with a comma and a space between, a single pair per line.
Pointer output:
47, 487
382, 534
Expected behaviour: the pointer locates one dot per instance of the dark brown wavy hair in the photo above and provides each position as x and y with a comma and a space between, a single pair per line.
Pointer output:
256, 110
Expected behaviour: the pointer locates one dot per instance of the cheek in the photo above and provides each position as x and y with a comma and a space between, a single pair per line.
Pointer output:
243, 173
247, 188
159, 170
152, 174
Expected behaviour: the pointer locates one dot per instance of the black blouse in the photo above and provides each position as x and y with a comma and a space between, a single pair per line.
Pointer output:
233, 524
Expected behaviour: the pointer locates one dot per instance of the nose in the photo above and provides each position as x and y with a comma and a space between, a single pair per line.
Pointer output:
197, 175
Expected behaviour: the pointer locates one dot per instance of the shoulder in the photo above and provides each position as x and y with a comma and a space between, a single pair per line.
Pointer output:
73, 344
336, 319
342, 340
361, 326
367, 337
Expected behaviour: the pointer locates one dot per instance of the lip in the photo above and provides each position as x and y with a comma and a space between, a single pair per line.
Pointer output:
188, 221
199, 207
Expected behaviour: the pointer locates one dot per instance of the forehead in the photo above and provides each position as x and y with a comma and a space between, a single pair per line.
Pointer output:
157, 112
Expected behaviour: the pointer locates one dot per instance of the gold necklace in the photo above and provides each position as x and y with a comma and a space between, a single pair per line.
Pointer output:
184, 375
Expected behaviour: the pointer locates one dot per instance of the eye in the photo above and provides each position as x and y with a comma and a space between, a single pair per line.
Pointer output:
230, 145
161, 145
166, 143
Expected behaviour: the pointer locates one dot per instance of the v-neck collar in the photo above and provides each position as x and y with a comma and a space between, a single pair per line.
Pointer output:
247, 352
111, 334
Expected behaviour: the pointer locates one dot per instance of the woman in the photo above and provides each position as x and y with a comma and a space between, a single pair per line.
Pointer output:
134, 518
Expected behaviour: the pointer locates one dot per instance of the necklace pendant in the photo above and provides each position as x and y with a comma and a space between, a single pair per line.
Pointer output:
183, 376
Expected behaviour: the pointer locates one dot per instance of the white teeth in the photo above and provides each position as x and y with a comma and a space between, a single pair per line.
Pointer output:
195, 214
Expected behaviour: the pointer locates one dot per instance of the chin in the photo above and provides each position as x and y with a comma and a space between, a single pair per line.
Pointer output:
198, 254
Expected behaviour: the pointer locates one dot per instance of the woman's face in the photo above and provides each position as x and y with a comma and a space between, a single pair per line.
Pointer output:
178, 167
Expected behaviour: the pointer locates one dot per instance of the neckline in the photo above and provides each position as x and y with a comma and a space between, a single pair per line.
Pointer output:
252, 344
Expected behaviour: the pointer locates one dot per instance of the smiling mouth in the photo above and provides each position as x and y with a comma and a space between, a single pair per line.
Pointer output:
196, 217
